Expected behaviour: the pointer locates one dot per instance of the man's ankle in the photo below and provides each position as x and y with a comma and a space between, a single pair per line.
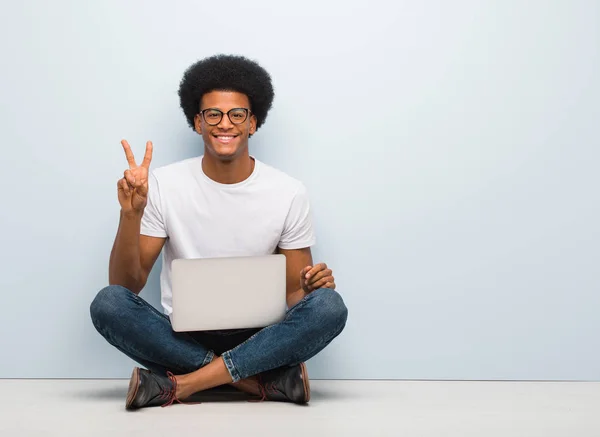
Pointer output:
249, 385
183, 391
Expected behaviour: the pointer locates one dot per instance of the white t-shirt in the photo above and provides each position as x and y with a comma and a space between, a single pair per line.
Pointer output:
202, 218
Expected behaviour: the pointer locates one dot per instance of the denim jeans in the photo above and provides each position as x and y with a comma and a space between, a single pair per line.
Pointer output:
144, 334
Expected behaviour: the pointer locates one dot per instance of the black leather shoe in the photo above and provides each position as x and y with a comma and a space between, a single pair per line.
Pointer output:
287, 384
147, 389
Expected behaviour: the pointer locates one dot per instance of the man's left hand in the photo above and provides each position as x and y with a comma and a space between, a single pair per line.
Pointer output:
315, 277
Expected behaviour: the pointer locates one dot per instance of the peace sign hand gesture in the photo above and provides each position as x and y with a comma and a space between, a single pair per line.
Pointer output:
133, 187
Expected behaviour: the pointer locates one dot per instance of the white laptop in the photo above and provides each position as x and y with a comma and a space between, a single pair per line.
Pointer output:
228, 293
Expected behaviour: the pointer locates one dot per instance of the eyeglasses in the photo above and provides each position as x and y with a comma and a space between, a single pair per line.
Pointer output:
213, 116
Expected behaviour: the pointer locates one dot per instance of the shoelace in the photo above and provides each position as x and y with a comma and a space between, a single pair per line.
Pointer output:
170, 394
265, 389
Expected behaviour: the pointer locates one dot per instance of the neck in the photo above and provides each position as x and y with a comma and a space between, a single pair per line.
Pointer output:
228, 172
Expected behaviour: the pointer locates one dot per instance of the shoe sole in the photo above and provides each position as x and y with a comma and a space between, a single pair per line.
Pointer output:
305, 381
134, 384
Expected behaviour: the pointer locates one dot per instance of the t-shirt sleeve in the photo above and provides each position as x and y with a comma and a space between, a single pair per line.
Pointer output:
153, 223
298, 229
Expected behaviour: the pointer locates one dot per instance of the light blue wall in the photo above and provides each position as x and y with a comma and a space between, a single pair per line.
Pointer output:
451, 150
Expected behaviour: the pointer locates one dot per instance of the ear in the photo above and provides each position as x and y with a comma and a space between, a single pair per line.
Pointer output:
253, 122
198, 124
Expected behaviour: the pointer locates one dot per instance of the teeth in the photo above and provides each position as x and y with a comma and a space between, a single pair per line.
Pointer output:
224, 138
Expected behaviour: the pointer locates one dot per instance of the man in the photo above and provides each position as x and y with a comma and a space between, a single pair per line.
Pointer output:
223, 203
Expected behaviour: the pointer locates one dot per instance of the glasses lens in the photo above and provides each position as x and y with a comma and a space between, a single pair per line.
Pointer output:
212, 116
238, 115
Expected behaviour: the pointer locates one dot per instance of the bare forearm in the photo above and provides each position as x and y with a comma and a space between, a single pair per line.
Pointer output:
125, 268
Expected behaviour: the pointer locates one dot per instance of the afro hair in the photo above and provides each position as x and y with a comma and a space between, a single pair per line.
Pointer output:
226, 73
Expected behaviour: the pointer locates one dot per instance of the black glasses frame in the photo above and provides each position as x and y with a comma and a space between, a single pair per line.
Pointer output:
248, 112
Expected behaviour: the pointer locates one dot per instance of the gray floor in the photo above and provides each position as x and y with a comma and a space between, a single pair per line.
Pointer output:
337, 408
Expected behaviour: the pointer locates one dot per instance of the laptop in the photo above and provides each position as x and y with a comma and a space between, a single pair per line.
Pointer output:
228, 293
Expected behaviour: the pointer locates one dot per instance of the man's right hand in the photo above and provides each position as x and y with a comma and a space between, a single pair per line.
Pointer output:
133, 187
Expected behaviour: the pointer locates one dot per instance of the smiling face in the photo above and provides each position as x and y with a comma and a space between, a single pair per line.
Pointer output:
224, 139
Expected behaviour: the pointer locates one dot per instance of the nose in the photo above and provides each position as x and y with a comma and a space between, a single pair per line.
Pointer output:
225, 122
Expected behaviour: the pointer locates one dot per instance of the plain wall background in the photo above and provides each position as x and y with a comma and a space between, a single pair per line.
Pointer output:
451, 152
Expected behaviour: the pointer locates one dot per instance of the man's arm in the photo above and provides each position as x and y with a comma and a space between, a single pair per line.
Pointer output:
302, 277
132, 255
296, 261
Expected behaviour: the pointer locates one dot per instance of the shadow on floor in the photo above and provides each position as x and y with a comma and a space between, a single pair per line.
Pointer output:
112, 393
217, 394
322, 394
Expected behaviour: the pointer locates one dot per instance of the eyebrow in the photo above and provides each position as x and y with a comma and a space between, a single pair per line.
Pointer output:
214, 107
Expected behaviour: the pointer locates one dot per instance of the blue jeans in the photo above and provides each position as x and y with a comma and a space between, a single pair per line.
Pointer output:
144, 334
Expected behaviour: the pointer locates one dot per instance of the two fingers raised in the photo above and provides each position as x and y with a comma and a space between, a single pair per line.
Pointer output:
131, 159
137, 176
